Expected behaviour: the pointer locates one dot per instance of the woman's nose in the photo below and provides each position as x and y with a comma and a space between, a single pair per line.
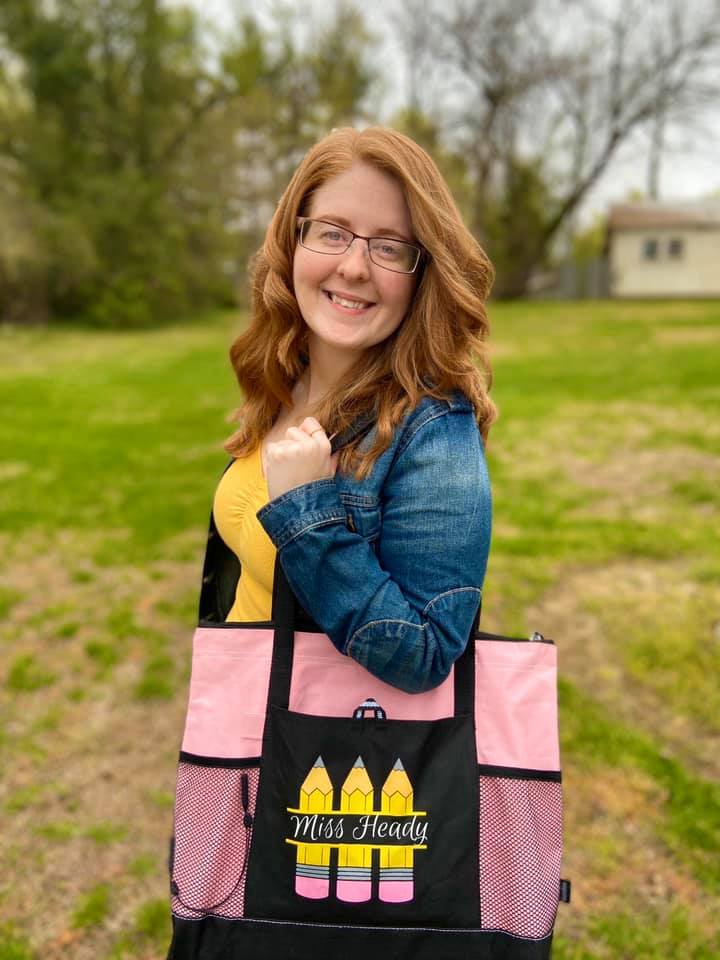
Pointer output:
356, 259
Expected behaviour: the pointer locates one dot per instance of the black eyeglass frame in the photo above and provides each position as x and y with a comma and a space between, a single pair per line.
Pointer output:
422, 253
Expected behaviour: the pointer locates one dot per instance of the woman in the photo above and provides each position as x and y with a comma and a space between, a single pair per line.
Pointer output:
368, 300
359, 466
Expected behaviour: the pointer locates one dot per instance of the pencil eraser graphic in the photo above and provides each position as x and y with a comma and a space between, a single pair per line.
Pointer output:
354, 891
396, 891
315, 888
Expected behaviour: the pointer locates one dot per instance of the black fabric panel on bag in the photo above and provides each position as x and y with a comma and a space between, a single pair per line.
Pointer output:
217, 939
221, 572
413, 784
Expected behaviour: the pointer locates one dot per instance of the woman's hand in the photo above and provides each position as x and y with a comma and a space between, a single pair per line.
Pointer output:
303, 456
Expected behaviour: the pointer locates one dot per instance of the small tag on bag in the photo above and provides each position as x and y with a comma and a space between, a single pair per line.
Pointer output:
564, 891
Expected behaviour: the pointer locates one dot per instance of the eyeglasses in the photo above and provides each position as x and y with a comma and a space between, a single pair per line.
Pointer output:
323, 237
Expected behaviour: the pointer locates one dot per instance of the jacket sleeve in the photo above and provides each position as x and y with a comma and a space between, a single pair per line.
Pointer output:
404, 612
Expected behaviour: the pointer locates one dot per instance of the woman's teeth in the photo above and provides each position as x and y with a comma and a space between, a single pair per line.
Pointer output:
350, 304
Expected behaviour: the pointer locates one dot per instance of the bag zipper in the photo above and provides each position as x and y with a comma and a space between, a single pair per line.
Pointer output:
248, 819
227, 624
535, 637
268, 624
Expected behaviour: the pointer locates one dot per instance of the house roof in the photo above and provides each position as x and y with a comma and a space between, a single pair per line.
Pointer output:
655, 215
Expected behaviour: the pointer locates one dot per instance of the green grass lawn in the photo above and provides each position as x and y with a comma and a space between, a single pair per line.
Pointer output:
605, 465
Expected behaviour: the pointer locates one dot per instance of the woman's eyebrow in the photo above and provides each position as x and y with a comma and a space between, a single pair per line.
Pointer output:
381, 231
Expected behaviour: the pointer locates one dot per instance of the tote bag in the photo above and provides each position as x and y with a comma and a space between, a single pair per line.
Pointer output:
321, 813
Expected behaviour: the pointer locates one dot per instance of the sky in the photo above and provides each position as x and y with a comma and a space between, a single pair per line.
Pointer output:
690, 167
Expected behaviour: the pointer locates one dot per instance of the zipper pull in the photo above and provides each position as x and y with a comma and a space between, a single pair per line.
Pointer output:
245, 799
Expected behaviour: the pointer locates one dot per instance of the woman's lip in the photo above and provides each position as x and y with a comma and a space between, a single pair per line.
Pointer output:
339, 306
349, 296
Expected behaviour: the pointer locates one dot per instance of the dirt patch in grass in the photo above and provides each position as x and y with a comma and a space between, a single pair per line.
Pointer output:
595, 431
11, 469
637, 479
671, 336
499, 350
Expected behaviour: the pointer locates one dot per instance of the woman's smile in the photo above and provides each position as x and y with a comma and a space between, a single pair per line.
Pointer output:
347, 303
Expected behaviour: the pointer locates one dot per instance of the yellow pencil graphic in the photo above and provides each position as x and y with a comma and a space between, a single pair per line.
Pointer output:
312, 872
396, 863
354, 882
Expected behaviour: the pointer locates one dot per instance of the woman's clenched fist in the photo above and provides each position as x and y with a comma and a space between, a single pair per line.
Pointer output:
302, 456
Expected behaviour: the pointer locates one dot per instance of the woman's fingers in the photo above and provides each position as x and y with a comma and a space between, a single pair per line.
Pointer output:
285, 448
313, 428
309, 429
310, 423
295, 433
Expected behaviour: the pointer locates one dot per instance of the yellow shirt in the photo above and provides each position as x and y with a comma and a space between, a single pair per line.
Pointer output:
241, 492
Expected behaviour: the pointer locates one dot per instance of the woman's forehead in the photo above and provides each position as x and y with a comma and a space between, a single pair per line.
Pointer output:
362, 198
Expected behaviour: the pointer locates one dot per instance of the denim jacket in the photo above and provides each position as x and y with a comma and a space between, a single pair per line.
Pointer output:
391, 567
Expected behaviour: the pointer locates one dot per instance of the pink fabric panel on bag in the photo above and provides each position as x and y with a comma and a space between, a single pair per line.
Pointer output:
516, 704
228, 691
326, 683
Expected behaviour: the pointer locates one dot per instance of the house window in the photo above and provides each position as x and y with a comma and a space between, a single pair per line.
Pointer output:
650, 249
676, 248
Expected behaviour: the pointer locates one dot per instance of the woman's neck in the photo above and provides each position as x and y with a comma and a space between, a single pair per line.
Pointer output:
327, 365
310, 388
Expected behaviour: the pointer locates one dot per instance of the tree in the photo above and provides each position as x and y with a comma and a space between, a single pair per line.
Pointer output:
105, 89
153, 159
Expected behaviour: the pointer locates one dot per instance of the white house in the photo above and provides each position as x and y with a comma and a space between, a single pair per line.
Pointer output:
664, 249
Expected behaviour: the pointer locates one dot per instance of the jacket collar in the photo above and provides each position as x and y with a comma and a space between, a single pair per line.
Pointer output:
457, 401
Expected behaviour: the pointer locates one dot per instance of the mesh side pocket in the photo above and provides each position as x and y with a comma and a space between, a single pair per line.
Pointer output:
214, 812
520, 852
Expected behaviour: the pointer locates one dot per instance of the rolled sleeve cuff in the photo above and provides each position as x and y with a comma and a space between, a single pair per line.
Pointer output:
314, 504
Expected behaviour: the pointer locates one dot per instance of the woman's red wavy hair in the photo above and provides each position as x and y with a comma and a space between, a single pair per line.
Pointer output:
440, 346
